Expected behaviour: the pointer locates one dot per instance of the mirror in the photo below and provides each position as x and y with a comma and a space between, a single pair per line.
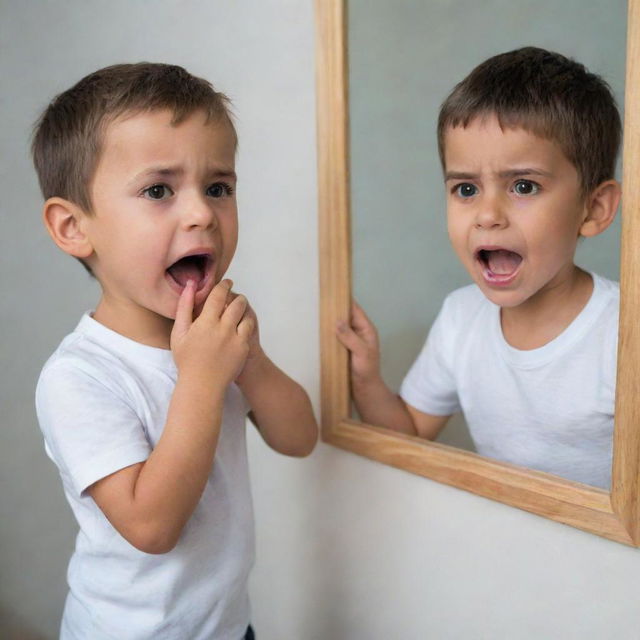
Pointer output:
404, 59
387, 88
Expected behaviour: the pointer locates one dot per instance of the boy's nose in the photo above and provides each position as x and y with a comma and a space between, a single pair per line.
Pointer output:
491, 214
198, 212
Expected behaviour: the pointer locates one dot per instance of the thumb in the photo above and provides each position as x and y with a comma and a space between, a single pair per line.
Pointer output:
184, 311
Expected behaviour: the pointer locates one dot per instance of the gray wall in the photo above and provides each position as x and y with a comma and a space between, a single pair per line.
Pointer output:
348, 549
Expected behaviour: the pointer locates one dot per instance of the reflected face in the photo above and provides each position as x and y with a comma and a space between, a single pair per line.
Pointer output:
514, 210
164, 211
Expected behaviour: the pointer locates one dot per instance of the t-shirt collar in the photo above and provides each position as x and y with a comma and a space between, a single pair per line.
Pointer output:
97, 332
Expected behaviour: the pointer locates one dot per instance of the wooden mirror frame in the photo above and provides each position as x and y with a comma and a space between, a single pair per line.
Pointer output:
612, 515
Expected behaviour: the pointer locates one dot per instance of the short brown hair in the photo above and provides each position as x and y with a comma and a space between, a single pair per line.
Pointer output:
68, 136
549, 95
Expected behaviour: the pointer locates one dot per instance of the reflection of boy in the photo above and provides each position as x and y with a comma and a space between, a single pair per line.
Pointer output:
143, 406
528, 143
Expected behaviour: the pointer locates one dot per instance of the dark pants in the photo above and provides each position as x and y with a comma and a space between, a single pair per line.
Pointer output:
249, 635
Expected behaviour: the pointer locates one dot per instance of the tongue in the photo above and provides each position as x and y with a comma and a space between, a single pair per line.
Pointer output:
503, 262
185, 270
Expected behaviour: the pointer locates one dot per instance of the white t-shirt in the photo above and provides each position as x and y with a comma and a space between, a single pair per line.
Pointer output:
549, 409
102, 402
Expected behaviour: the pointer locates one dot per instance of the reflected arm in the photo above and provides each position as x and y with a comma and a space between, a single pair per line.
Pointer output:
375, 402
378, 405
428, 426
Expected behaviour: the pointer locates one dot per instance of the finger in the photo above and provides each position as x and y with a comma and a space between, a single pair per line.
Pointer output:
251, 312
217, 299
231, 296
184, 310
349, 338
234, 311
246, 327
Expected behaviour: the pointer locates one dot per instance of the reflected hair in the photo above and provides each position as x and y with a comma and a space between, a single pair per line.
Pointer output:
69, 135
548, 95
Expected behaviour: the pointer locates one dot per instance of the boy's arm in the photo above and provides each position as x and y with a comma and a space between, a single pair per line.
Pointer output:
280, 407
375, 402
149, 503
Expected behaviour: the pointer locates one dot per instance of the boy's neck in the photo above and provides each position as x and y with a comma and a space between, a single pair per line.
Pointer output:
544, 316
141, 325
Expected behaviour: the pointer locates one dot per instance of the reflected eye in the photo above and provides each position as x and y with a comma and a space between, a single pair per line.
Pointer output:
465, 190
157, 192
526, 188
219, 190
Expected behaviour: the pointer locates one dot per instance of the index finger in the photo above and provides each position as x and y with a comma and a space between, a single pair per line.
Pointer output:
184, 310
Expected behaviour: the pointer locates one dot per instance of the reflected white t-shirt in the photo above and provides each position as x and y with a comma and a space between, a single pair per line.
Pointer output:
102, 402
549, 409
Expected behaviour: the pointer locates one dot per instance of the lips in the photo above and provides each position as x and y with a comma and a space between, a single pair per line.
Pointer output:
195, 266
499, 265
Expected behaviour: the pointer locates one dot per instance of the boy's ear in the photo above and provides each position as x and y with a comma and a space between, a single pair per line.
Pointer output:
601, 205
64, 222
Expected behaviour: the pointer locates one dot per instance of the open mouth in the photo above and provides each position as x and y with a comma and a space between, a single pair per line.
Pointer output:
499, 265
196, 267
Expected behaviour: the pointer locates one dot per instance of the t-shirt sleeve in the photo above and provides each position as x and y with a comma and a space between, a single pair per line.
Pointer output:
430, 384
90, 430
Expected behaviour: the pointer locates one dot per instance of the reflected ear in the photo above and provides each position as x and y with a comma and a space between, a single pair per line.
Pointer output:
602, 205
64, 221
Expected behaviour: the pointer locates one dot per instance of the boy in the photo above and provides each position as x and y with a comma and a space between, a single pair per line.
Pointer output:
143, 406
528, 144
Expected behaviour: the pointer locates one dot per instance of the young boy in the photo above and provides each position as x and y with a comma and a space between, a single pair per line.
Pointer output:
528, 144
143, 406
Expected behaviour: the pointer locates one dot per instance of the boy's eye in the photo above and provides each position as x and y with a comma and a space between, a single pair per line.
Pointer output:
465, 190
157, 192
526, 188
219, 190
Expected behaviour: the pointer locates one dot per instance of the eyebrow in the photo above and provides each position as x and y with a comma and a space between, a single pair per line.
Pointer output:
170, 172
508, 173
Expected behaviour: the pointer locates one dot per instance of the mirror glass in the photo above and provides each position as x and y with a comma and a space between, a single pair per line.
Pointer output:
404, 59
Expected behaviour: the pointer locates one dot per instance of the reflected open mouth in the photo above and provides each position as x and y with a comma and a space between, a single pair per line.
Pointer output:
499, 265
196, 267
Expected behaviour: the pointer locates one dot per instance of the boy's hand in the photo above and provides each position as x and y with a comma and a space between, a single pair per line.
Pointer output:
217, 343
255, 348
360, 337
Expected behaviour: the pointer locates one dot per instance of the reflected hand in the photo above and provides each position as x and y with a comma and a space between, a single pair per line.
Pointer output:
360, 337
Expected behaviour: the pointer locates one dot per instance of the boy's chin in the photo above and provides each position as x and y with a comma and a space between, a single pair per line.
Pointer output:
505, 298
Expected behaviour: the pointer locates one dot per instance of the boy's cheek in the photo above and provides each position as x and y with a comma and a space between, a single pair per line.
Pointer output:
458, 243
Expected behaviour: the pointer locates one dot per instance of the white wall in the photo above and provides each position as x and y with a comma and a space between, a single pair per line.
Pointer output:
347, 549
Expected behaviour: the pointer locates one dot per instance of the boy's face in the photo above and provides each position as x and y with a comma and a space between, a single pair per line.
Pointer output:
164, 211
514, 209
